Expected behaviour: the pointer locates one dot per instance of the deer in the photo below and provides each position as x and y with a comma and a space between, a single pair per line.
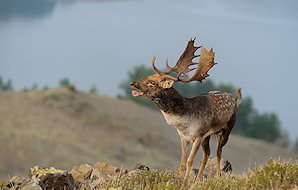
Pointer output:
197, 118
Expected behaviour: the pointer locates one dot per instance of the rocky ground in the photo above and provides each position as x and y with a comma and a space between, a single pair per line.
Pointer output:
98, 176
273, 175
80, 177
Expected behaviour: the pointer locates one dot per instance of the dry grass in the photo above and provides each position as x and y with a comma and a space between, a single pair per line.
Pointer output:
273, 175
61, 128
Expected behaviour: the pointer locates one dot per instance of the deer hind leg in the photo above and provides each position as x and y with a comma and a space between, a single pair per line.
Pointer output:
223, 138
205, 156
192, 154
184, 147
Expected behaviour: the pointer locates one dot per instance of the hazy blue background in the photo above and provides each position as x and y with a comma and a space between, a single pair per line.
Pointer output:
97, 42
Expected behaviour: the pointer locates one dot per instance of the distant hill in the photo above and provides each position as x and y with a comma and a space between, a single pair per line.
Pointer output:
61, 128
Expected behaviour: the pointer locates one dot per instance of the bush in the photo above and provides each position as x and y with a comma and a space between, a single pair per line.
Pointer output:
67, 84
5, 86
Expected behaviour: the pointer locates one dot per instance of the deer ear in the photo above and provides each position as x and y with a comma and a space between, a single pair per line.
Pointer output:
167, 84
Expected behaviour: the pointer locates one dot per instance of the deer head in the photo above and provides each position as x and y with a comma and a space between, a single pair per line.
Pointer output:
152, 86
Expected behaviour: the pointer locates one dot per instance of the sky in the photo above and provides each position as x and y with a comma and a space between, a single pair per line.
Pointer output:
98, 42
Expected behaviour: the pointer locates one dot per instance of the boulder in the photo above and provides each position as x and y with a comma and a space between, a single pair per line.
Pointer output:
4, 184
108, 169
51, 178
19, 180
15, 181
38, 171
31, 186
57, 181
81, 172
140, 166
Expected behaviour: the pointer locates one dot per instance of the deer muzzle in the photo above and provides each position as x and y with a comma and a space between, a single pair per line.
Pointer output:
135, 90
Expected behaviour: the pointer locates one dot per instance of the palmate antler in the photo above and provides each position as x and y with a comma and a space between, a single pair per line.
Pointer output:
206, 62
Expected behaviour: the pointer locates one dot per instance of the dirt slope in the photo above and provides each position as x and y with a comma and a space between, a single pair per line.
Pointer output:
61, 128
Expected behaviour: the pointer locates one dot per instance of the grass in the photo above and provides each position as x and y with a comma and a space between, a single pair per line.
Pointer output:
85, 128
273, 175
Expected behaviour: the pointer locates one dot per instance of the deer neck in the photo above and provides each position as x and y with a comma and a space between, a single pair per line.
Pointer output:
170, 101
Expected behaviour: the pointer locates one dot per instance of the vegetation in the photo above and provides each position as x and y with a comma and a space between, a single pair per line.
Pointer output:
250, 122
273, 175
93, 89
5, 86
34, 87
67, 84
296, 144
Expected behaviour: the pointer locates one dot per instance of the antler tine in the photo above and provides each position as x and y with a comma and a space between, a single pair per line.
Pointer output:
161, 73
185, 60
153, 65
206, 62
169, 69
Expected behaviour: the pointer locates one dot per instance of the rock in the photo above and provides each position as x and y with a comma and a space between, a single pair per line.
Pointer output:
31, 186
98, 176
81, 172
19, 180
52, 178
34, 170
4, 183
16, 182
139, 166
227, 167
137, 170
108, 169
210, 169
57, 181
102, 172
133, 173
38, 171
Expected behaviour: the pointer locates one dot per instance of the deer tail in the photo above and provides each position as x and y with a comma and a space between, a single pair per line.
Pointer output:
238, 97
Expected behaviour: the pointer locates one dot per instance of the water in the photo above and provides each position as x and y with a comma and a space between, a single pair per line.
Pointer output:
97, 42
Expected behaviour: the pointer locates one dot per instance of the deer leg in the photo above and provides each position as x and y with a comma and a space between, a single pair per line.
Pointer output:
223, 138
205, 156
192, 154
184, 146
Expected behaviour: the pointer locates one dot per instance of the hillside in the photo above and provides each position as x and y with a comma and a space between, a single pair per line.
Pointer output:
62, 128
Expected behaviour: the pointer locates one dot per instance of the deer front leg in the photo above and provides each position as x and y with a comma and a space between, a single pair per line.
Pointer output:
184, 147
192, 154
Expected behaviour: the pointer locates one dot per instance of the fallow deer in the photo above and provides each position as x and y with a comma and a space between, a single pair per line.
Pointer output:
196, 118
